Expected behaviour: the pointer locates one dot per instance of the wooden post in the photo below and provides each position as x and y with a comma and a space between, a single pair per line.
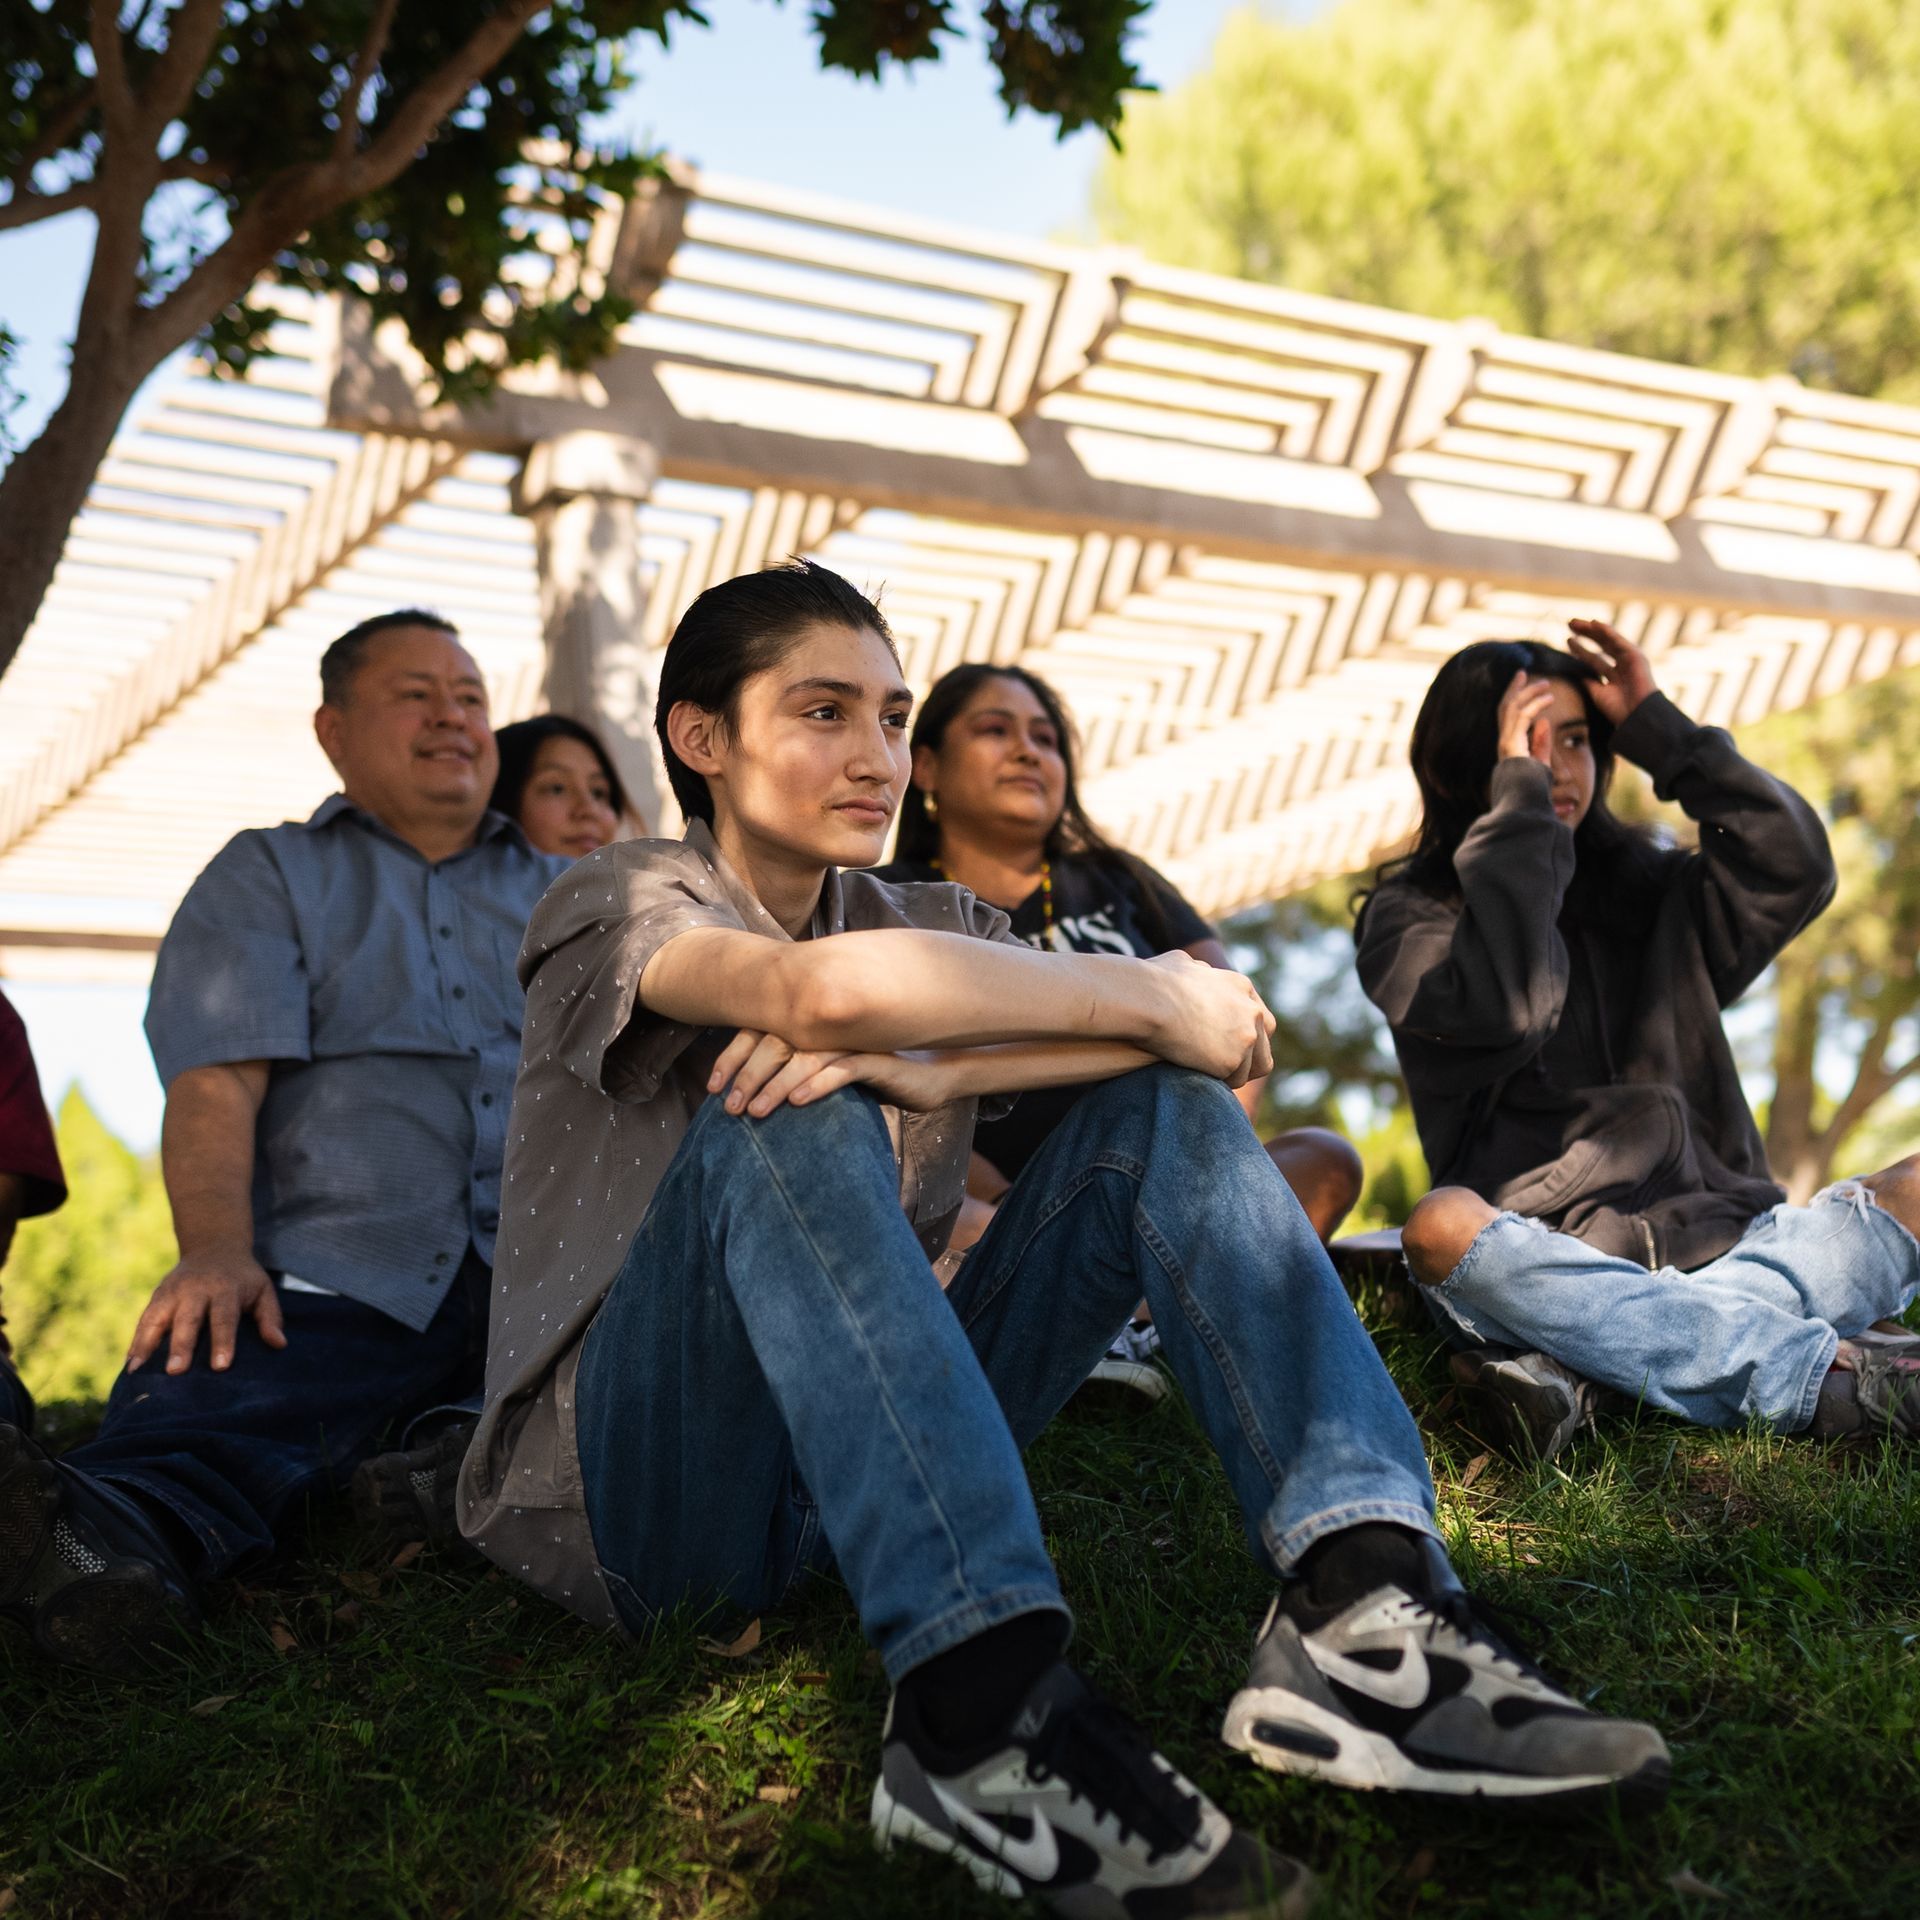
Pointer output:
582, 491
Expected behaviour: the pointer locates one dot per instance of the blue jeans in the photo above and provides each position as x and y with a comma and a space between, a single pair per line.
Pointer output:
224, 1456
775, 1373
1751, 1333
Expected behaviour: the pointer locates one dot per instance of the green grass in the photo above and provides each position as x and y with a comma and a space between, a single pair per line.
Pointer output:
357, 1738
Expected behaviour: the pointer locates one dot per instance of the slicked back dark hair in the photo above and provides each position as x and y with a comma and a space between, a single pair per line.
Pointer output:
1073, 833
347, 655
740, 628
520, 746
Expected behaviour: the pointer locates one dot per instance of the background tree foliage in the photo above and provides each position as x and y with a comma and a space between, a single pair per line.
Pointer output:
76, 1280
1847, 993
1727, 185
384, 147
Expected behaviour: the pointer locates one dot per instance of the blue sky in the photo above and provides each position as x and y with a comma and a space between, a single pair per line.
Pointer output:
746, 98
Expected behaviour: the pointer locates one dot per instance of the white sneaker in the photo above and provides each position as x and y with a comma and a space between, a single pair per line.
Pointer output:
1418, 1694
1128, 1362
1074, 1807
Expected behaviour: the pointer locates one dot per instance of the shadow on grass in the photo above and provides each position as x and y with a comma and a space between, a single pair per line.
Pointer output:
356, 1737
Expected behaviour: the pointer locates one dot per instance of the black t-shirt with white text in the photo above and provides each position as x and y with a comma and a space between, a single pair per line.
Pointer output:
1097, 908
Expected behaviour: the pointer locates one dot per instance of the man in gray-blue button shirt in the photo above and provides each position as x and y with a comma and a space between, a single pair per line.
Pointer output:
337, 1023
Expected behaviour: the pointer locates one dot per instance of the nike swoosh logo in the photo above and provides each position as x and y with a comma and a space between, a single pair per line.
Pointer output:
1036, 1858
1405, 1686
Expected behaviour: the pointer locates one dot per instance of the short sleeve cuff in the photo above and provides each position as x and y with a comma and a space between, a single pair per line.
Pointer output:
231, 1046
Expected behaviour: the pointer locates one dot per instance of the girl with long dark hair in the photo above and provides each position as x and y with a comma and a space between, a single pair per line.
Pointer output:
994, 804
719, 1355
1603, 1210
559, 782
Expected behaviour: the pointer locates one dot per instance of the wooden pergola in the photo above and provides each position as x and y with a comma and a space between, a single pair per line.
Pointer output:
1237, 526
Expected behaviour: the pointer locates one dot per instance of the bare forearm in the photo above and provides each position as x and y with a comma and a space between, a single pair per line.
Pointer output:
896, 989
1020, 1065
206, 1156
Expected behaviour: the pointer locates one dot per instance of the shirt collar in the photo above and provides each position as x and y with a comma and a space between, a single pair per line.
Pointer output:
829, 916
493, 826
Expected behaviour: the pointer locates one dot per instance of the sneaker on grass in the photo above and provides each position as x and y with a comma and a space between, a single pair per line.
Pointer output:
1071, 1805
81, 1570
1409, 1688
1875, 1393
1128, 1362
1529, 1403
408, 1495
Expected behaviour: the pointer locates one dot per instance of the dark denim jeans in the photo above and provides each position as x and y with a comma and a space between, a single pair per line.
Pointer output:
775, 1370
16, 1403
224, 1456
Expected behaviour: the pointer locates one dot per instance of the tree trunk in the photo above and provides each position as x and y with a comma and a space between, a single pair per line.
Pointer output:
1796, 1040
44, 488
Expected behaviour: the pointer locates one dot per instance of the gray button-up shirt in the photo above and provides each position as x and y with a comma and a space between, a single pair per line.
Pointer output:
607, 1091
381, 988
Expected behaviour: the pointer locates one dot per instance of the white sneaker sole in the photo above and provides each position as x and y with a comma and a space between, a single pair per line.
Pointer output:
1137, 1374
1342, 1754
893, 1823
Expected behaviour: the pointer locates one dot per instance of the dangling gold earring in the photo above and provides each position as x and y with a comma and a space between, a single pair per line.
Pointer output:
932, 803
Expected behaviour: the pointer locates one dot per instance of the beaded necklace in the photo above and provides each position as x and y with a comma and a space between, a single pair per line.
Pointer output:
1046, 895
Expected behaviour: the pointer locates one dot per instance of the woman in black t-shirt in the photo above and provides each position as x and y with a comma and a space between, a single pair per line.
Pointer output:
994, 805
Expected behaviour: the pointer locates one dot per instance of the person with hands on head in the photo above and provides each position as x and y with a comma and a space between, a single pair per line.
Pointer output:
720, 1357
1603, 1211
336, 1021
994, 804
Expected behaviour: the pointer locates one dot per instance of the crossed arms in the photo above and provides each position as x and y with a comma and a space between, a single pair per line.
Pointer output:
924, 1018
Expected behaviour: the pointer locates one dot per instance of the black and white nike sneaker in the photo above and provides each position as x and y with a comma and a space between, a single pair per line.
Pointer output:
1417, 1692
1072, 1805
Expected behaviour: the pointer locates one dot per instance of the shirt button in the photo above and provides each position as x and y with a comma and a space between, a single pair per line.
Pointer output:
446, 933
439, 1259
459, 993
486, 1099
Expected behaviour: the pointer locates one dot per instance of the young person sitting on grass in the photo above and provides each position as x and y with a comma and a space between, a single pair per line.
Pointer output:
994, 804
719, 1357
1554, 980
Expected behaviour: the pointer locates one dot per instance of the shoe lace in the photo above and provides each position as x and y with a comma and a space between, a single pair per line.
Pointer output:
1102, 1756
1476, 1619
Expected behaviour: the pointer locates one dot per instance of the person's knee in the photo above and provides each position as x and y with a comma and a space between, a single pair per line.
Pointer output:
833, 1123
1324, 1170
1441, 1229
1896, 1189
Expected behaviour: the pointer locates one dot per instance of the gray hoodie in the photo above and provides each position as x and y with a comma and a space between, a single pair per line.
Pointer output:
1580, 1074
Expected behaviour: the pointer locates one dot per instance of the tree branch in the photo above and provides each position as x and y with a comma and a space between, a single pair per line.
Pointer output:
365, 64
24, 209
1871, 1082
286, 206
195, 27
117, 107
422, 111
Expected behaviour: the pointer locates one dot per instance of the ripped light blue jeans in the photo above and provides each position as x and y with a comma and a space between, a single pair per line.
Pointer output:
775, 1372
1752, 1332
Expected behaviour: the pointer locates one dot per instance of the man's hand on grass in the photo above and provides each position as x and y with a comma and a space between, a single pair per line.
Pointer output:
214, 1289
